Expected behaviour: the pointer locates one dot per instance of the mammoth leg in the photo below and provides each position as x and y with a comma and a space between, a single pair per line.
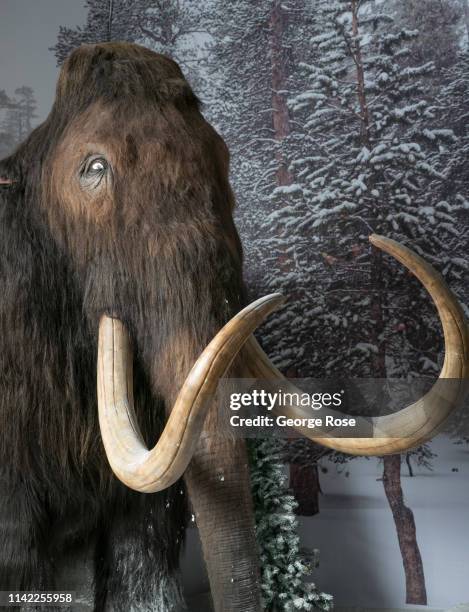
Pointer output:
24, 562
219, 489
137, 554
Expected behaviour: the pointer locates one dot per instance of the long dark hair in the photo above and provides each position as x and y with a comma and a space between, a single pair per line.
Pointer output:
166, 259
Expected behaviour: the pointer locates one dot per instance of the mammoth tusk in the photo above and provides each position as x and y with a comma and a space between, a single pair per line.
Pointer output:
153, 470
419, 422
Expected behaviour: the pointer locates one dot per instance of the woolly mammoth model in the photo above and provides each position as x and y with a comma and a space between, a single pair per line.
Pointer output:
117, 232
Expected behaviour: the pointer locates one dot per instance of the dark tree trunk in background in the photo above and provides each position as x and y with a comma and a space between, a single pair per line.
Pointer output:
280, 117
304, 481
406, 532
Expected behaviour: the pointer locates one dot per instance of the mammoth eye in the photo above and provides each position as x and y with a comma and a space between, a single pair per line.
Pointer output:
99, 165
93, 170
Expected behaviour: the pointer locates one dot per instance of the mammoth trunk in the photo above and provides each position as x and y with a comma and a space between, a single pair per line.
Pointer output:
170, 323
219, 488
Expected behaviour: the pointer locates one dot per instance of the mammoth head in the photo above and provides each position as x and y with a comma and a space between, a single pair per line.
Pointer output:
134, 193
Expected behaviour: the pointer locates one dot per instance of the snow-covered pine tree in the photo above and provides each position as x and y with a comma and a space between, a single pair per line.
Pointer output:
437, 22
454, 161
422, 457
18, 114
255, 47
465, 8
7, 140
363, 160
283, 566
106, 21
175, 28
25, 103
366, 160
166, 27
441, 33
454, 192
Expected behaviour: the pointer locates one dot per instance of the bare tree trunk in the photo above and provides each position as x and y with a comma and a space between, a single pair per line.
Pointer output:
406, 532
280, 116
304, 482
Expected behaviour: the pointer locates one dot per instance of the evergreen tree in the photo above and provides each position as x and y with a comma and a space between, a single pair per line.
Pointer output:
367, 159
256, 46
166, 27
18, 114
363, 162
283, 569
465, 9
453, 191
437, 22
105, 21
7, 143
25, 103
4, 99
422, 456
6, 137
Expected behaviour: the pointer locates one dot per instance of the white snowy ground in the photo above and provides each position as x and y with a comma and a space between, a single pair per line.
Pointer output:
360, 561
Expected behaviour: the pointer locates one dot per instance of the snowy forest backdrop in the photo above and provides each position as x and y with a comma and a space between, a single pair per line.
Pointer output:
343, 118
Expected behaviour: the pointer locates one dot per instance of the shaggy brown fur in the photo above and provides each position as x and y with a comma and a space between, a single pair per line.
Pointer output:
151, 240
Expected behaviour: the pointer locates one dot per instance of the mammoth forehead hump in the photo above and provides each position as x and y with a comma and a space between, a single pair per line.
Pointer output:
118, 71
121, 133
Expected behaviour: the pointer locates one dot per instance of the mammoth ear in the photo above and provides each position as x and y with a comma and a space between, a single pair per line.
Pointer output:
10, 171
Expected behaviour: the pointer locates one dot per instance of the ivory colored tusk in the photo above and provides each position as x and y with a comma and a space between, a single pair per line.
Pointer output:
153, 470
419, 422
